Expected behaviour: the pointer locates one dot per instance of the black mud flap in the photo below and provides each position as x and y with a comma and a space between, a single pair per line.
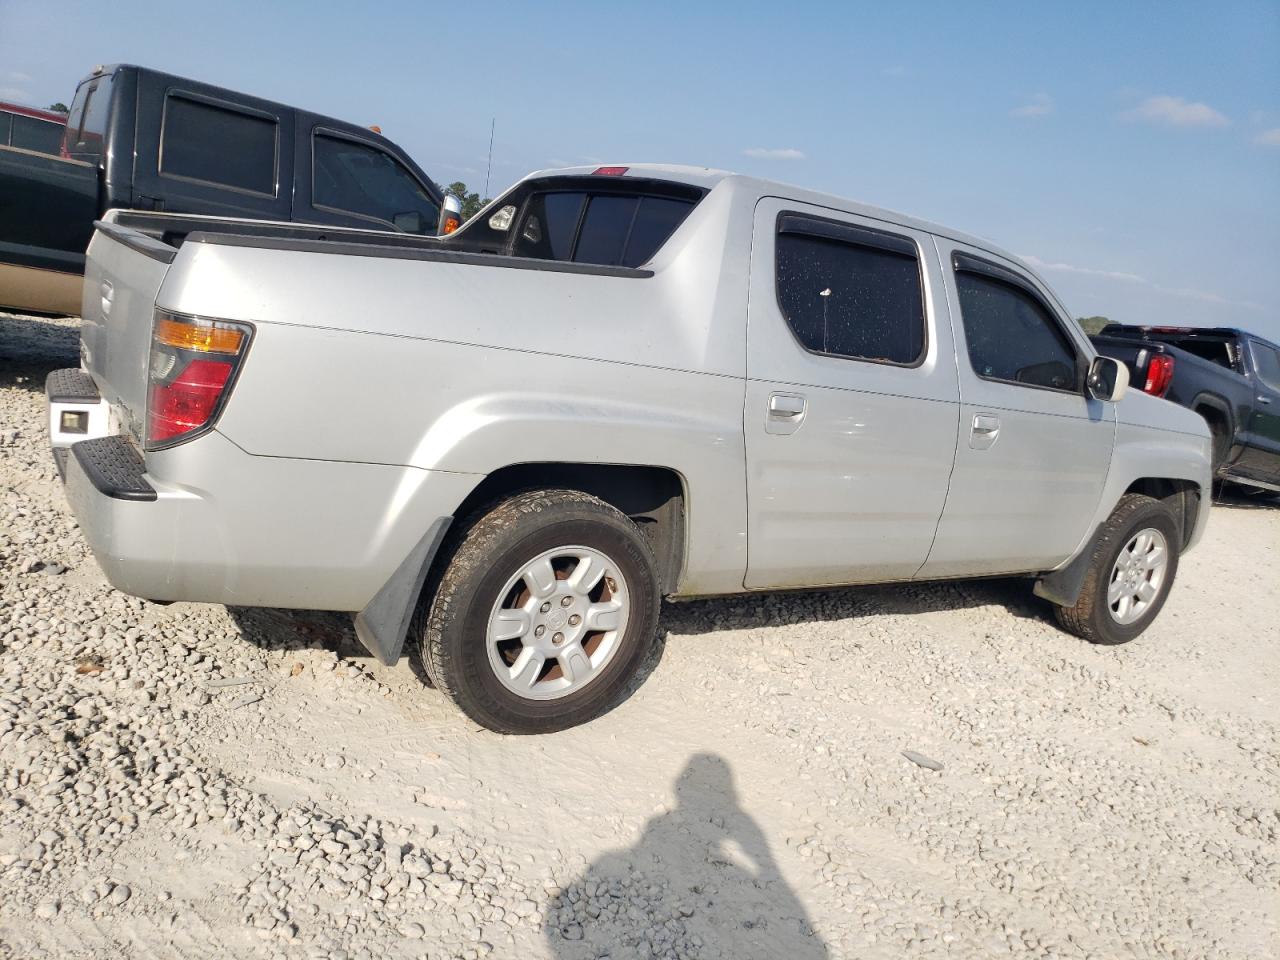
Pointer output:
384, 622
1063, 585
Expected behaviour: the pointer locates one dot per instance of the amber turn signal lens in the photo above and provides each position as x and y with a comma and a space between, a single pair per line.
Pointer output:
201, 337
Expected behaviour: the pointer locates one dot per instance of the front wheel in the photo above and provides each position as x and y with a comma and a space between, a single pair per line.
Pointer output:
545, 613
1132, 569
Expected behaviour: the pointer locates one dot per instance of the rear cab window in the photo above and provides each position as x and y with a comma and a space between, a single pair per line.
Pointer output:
609, 222
87, 121
218, 144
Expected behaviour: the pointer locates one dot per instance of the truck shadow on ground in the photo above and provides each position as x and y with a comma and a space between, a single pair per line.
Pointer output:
273, 629
701, 879
31, 347
1232, 497
276, 630
757, 610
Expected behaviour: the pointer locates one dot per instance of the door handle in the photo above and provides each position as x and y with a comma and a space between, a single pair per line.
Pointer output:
786, 413
1264, 399
985, 431
786, 406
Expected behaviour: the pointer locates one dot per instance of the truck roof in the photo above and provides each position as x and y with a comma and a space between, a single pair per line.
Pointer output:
709, 177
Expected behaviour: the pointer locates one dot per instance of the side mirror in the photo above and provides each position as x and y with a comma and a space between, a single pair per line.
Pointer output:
410, 222
450, 215
1108, 379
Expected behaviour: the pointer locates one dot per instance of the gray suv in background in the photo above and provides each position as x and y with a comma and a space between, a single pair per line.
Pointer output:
613, 385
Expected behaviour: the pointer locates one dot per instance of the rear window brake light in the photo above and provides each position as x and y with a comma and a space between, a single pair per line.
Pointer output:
609, 171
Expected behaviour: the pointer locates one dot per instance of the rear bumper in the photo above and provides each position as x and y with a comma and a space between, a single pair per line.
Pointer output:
206, 521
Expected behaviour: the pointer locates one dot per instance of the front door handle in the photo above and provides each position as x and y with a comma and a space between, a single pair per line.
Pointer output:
786, 413
985, 432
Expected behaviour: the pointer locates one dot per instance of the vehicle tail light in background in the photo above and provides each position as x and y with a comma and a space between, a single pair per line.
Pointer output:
1159, 375
609, 171
193, 365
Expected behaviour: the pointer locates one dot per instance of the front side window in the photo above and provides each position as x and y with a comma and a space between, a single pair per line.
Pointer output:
1011, 336
1267, 360
851, 300
357, 178
29, 133
213, 144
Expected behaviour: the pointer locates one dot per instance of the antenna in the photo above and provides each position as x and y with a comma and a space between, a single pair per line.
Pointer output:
492, 123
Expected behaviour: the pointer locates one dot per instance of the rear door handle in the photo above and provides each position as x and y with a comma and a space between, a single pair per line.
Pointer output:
786, 413
1264, 399
786, 406
985, 431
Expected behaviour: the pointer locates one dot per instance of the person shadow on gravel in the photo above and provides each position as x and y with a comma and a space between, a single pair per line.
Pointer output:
701, 882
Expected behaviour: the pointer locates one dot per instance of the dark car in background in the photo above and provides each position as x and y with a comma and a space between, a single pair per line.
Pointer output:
144, 140
26, 128
1229, 376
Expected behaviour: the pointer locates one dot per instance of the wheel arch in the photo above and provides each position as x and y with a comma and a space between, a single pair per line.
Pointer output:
654, 497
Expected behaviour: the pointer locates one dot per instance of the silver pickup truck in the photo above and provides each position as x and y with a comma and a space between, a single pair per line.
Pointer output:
614, 385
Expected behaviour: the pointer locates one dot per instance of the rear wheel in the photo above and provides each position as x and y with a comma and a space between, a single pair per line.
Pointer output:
1135, 560
545, 613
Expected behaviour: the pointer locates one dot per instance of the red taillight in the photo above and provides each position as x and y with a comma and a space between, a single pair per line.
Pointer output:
609, 171
1159, 375
193, 364
186, 403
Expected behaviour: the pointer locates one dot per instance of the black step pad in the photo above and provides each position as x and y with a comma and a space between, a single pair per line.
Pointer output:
70, 385
115, 467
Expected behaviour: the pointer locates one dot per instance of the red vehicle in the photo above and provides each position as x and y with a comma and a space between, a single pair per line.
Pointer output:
30, 129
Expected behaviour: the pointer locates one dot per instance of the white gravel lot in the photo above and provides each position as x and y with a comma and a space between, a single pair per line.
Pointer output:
192, 781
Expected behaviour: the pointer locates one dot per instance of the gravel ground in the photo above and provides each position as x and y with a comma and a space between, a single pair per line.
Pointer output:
191, 780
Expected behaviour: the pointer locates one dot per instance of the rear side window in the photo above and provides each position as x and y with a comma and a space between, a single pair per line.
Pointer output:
1011, 336
6, 120
87, 122
842, 298
1267, 360
214, 144
357, 178
606, 229
32, 134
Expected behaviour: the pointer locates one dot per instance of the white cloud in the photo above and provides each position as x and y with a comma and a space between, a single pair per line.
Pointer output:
1269, 138
773, 153
1175, 112
1041, 105
17, 76
1185, 293
15, 94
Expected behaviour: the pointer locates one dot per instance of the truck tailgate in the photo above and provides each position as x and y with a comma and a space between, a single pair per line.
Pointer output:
123, 273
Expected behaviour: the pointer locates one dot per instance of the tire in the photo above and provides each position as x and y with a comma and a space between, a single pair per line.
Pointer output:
495, 583
1094, 617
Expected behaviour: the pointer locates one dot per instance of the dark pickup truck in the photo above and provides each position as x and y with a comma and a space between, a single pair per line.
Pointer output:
1228, 376
143, 140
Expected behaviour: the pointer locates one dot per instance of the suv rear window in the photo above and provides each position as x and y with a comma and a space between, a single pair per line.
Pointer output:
214, 144
608, 228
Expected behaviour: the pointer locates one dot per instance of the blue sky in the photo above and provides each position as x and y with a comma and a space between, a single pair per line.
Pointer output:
1131, 149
